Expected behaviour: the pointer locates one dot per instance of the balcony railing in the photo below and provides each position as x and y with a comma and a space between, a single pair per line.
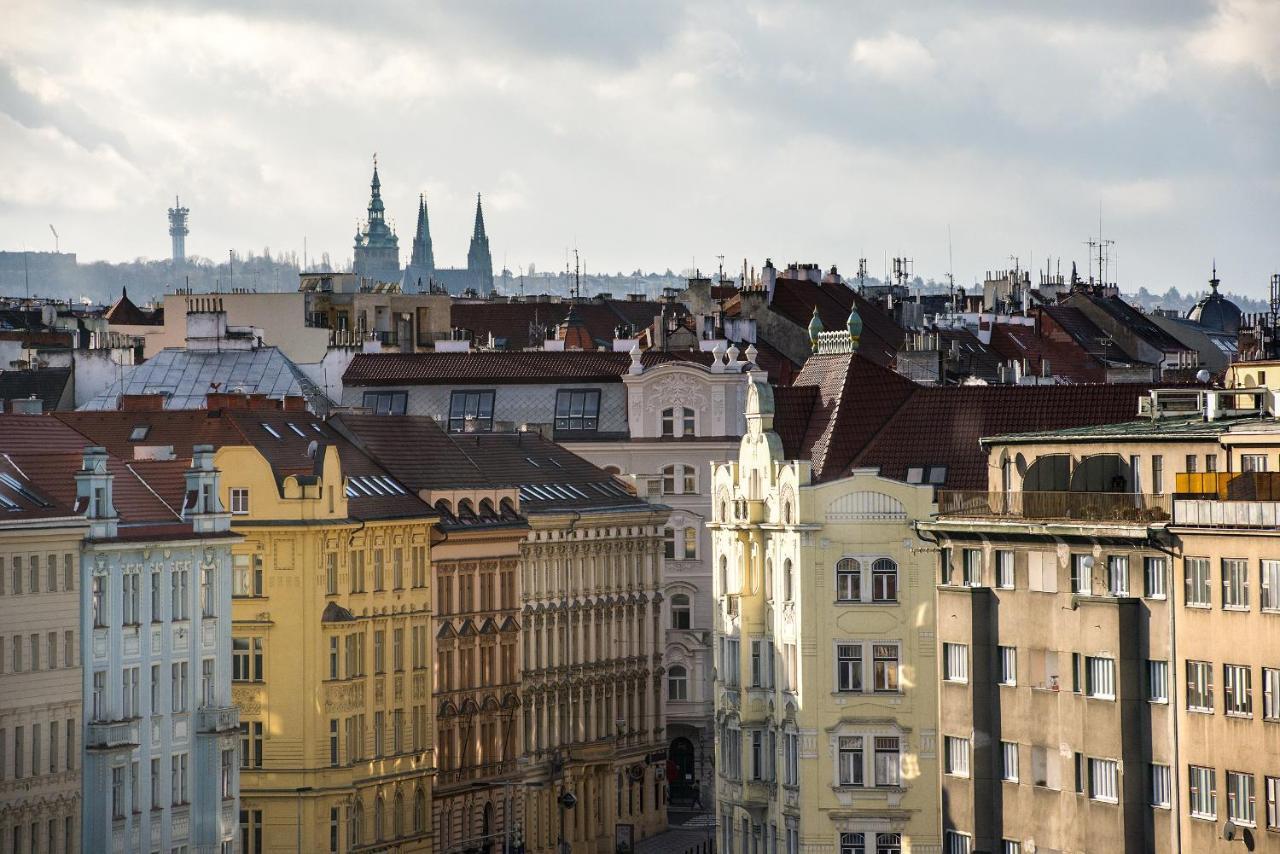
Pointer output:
1211, 513
216, 719
1229, 486
1126, 507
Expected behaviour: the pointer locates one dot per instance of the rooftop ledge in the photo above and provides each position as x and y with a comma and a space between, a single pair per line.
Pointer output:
1042, 507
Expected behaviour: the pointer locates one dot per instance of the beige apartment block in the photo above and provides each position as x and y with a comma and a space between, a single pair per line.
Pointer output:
1110, 671
40, 674
826, 674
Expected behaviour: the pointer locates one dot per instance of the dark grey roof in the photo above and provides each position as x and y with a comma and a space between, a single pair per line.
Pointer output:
48, 385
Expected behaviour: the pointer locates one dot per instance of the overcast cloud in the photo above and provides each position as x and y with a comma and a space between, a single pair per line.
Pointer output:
655, 133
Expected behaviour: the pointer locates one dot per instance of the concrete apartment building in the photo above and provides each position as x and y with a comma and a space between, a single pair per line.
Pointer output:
591, 645
1090, 600
41, 708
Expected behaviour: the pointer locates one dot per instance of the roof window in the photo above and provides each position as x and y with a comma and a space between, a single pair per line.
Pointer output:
270, 429
139, 432
296, 429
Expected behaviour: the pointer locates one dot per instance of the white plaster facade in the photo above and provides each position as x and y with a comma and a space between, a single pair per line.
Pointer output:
160, 742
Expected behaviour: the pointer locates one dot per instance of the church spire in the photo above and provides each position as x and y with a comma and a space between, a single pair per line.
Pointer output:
423, 255
478, 231
479, 261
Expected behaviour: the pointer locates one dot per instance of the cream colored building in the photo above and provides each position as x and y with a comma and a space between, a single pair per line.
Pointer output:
825, 691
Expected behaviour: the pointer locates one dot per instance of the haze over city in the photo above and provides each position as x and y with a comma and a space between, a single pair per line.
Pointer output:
656, 135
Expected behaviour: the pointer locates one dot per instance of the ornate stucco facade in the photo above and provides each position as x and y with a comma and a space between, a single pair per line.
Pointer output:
825, 667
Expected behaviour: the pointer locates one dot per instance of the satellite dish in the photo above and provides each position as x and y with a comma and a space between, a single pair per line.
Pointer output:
1086, 562
1203, 376
1229, 831
312, 447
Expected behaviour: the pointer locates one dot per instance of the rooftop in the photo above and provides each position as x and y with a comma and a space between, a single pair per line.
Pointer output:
369, 369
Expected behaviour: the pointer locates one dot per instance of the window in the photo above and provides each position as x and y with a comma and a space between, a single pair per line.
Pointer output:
669, 543
1103, 780
131, 600
690, 543
239, 501
848, 580
178, 778
1271, 585
957, 756
1235, 584
1008, 665
1010, 846
1158, 681
1081, 569
677, 683
888, 761
1204, 794
1009, 761
99, 598
180, 582
577, 410
885, 663
791, 758
944, 565
246, 659
1271, 694
386, 402
849, 667
207, 586
251, 744
788, 582
334, 760
228, 775
117, 794
761, 664
972, 568
1161, 786
1157, 474
888, 843
1253, 462
1155, 576
1118, 575
680, 612
1004, 570
853, 843
850, 760
884, 581
955, 842
1237, 690
679, 480
178, 686
955, 662
99, 697
471, 411
1240, 799
1273, 803
933, 475
678, 421
1199, 686
1196, 570
1100, 677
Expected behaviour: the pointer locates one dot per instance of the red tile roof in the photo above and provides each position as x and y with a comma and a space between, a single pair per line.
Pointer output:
514, 320
1067, 359
795, 299
124, 313
500, 367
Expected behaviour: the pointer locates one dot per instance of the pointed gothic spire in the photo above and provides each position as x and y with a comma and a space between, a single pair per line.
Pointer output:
478, 231
479, 261
423, 256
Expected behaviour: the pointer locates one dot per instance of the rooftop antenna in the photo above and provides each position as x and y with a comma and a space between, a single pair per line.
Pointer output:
231, 268
56, 247
951, 278
577, 281
521, 281
862, 274
720, 258
26, 278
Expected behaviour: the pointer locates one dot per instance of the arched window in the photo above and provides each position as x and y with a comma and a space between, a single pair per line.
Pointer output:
690, 543
486, 509
724, 575
848, 580
884, 581
356, 826
669, 543
419, 811
679, 480
786, 512
379, 816
466, 512
788, 582
888, 843
507, 508
397, 816
677, 683
681, 617
768, 578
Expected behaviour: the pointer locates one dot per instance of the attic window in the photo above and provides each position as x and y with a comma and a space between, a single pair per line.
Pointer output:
270, 429
932, 475
139, 432
315, 425
555, 462
296, 429
532, 462
7, 503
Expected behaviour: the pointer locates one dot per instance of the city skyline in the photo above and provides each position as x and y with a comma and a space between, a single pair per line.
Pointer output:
810, 133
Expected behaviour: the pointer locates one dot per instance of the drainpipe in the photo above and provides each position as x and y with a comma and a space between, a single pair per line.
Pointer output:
1175, 790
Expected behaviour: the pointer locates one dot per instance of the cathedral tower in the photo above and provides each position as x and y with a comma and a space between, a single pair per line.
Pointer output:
479, 262
377, 249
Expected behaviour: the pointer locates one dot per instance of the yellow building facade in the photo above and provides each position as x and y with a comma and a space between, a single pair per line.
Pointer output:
825, 657
332, 645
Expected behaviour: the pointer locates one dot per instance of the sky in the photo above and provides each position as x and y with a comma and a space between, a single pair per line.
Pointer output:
657, 134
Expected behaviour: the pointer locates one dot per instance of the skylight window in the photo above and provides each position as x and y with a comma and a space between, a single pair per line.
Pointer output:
139, 432
7, 503
932, 475
315, 425
350, 491
296, 429
532, 462
372, 483
270, 429
18, 487
555, 462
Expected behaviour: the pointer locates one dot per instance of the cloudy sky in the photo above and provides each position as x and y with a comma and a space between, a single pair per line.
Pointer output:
656, 133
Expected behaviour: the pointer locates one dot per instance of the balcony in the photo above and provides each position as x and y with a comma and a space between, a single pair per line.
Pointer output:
218, 719
1099, 507
105, 735
1228, 486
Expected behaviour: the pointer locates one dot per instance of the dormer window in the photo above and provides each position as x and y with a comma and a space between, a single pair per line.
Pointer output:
932, 475
678, 421
139, 432
578, 411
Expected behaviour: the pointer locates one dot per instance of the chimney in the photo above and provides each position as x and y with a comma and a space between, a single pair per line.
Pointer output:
141, 402
201, 505
93, 494
26, 406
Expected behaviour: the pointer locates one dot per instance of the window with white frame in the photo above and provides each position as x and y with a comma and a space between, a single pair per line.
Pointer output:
678, 421
1273, 802
239, 501
888, 843
1118, 575
1235, 584
762, 664
886, 659
888, 760
1155, 577
1008, 665
1081, 574
793, 836
848, 580
1270, 585
1203, 794
884, 580
1240, 799
853, 843
1100, 677
972, 568
1158, 681
1161, 786
690, 543
955, 842
681, 611
1009, 761
677, 683
944, 565
955, 662
849, 667
1104, 780
1004, 570
669, 543
679, 480
1010, 846
1271, 693
956, 756
1237, 690
790, 758
729, 660
1199, 686
850, 760
1196, 572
